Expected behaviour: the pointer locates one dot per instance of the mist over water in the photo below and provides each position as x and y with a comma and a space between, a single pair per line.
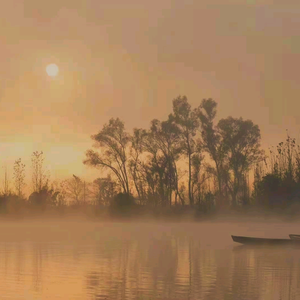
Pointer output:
91, 260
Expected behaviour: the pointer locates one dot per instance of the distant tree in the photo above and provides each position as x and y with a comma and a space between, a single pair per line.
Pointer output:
283, 160
104, 190
207, 202
268, 191
76, 190
86, 192
113, 142
40, 177
122, 204
259, 172
6, 183
11, 203
123, 200
58, 187
19, 177
44, 198
277, 184
297, 164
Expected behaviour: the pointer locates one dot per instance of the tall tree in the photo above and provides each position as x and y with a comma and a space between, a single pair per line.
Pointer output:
186, 120
200, 175
19, 177
136, 165
40, 177
163, 143
212, 143
112, 141
241, 140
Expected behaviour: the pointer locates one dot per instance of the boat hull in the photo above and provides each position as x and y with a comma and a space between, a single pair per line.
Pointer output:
294, 236
264, 241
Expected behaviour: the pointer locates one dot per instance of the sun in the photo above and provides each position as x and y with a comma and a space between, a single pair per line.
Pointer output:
52, 70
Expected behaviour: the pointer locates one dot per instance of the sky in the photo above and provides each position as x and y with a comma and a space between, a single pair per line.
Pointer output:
130, 59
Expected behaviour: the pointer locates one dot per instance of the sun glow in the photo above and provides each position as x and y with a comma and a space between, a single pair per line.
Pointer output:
52, 70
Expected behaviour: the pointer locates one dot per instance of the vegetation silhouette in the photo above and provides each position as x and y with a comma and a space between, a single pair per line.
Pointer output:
122, 205
188, 164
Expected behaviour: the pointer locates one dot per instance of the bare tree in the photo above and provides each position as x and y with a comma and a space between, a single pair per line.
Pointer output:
85, 192
74, 189
40, 177
6, 187
58, 187
19, 177
104, 190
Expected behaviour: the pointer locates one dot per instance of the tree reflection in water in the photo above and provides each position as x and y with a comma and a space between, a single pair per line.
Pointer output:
126, 261
178, 268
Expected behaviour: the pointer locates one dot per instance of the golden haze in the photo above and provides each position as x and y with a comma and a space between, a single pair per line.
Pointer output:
130, 61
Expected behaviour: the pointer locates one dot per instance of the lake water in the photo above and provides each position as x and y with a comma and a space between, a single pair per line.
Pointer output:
82, 260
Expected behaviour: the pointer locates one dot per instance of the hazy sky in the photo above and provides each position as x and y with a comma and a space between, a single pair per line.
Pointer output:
130, 59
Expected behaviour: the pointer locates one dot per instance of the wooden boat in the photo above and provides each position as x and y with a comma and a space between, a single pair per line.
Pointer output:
294, 236
265, 241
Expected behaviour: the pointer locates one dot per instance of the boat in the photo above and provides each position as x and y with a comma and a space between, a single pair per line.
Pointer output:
294, 236
265, 241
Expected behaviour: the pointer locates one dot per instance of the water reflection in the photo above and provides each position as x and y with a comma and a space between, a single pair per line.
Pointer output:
145, 263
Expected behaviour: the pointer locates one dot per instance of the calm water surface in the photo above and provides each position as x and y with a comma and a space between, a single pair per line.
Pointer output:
81, 260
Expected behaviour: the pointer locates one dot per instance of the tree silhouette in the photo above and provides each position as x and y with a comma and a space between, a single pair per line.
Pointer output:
6, 183
112, 141
44, 198
136, 165
187, 124
241, 141
40, 178
211, 142
74, 189
163, 143
104, 190
19, 177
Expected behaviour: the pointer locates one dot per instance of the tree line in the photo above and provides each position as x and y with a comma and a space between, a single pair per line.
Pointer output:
189, 159
215, 158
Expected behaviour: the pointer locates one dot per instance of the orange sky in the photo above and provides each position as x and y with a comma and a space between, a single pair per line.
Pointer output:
130, 59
